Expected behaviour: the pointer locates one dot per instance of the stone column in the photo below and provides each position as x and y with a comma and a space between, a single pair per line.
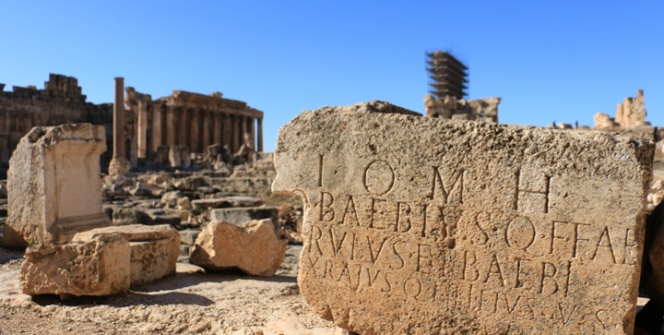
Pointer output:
228, 139
118, 119
218, 129
619, 114
237, 132
183, 125
142, 131
260, 135
119, 164
156, 128
243, 126
233, 133
171, 126
251, 123
194, 139
207, 127
627, 114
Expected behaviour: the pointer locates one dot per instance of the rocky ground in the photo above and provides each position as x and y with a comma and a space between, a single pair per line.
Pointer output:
191, 302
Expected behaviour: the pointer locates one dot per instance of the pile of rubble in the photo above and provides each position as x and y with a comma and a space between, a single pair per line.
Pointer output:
189, 199
88, 237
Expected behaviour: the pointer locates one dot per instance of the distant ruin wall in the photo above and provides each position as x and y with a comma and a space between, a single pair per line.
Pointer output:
630, 118
485, 109
58, 103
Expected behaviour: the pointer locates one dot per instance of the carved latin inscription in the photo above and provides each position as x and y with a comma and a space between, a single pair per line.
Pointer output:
463, 234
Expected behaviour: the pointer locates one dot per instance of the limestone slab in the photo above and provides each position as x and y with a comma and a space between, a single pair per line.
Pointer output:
97, 267
415, 225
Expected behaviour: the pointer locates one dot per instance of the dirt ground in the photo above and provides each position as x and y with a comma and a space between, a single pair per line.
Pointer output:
191, 302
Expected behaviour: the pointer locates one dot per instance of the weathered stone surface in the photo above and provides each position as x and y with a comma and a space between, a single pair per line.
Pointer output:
158, 216
242, 215
99, 266
416, 225
55, 185
256, 186
154, 249
604, 122
178, 156
232, 201
251, 247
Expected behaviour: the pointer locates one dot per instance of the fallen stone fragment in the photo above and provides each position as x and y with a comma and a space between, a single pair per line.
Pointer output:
154, 249
178, 156
55, 184
170, 199
251, 247
158, 217
254, 186
225, 202
97, 267
418, 225
237, 215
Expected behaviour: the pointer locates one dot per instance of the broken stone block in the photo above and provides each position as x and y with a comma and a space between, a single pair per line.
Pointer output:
242, 215
184, 203
253, 186
417, 225
96, 267
158, 217
225, 202
170, 199
188, 236
251, 247
179, 157
161, 155
154, 249
55, 184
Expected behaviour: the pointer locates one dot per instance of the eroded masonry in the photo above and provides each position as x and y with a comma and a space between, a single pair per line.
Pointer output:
425, 226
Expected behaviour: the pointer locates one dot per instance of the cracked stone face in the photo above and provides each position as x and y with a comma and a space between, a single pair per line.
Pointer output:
427, 226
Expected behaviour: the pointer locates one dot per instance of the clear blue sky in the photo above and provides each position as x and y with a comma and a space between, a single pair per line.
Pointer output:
548, 60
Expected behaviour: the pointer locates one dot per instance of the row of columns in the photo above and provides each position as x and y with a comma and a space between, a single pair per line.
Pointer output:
160, 124
199, 129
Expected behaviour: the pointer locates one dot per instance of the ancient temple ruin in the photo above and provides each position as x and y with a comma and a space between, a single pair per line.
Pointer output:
146, 125
630, 117
191, 119
448, 81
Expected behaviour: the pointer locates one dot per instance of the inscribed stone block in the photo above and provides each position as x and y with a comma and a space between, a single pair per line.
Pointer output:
416, 225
